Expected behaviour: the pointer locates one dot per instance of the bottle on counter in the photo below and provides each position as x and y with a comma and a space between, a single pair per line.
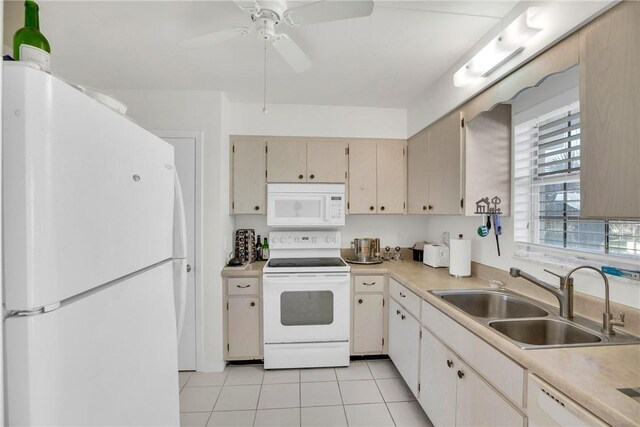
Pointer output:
259, 249
265, 249
29, 44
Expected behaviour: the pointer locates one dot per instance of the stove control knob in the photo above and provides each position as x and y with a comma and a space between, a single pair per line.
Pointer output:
282, 240
327, 239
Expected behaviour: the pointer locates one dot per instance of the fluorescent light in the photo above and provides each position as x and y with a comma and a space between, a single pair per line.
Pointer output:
500, 49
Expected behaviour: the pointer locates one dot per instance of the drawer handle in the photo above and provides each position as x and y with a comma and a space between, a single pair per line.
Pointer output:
360, 301
397, 311
402, 295
449, 363
403, 317
460, 374
368, 284
242, 286
253, 304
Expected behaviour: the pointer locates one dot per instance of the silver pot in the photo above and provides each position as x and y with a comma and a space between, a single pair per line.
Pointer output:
366, 249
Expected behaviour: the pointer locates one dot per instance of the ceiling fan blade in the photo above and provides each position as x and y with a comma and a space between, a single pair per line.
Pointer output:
248, 6
292, 54
325, 11
213, 38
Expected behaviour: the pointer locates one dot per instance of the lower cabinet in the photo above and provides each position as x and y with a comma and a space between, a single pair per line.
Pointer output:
404, 343
243, 319
452, 394
368, 315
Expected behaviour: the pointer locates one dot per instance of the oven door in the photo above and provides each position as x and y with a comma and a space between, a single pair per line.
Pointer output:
306, 308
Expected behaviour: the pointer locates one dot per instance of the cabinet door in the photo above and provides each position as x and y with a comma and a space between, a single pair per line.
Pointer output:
418, 173
243, 328
437, 381
368, 323
362, 178
286, 161
444, 165
249, 166
609, 112
391, 177
404, 344
326, 162
477, 404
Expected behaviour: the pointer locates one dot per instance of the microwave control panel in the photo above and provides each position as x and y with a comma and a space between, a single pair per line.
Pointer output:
336, 206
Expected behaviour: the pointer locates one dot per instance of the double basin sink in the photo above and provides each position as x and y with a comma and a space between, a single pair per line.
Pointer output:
527, 323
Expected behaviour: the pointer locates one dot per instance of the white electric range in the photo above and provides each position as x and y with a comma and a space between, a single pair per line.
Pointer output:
306, 313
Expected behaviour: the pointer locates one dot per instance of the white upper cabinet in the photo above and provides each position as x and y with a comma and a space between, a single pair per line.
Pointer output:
293, 160
610, 114
377, 177
248, 176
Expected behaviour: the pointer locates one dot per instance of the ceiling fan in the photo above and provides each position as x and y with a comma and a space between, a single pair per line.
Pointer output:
268, 14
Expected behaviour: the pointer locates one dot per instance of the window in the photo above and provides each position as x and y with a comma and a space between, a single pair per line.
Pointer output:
547, 197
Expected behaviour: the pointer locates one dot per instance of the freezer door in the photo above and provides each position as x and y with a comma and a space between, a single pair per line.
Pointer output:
109, 358
88, 194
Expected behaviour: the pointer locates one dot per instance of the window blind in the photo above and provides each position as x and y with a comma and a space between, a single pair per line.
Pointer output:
547, 194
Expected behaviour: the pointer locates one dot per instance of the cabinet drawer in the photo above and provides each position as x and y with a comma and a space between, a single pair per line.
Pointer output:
243, 286
496, 368
368, 283
405, 298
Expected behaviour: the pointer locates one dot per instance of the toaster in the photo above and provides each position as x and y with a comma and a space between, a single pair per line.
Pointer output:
436, 255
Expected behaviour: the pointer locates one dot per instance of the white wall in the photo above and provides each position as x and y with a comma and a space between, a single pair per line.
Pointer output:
392, 230
206, 111
318, 120
558, 19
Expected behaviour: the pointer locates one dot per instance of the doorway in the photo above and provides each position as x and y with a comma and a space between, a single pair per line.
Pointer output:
188, 149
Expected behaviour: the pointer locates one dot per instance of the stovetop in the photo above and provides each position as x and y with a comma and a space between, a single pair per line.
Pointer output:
306, 262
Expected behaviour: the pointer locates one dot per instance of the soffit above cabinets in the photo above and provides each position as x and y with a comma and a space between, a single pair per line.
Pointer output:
383, 60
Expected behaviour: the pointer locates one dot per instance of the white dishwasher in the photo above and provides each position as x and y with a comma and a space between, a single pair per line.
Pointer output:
546, 406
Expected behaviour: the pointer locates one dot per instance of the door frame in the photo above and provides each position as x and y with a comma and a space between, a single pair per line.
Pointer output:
198, 136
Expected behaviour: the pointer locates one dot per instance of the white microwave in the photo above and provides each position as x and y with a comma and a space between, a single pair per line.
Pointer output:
305, 205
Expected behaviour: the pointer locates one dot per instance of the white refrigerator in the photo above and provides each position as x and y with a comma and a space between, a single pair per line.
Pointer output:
94, 266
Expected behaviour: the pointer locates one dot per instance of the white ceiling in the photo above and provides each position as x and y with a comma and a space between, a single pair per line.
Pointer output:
383, 60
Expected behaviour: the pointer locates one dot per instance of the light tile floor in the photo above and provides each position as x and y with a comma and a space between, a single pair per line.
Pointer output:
367, 393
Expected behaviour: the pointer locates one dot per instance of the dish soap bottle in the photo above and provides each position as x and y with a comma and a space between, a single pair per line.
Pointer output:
29, 44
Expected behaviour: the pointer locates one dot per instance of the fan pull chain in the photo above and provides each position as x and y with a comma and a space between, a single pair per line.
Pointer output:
264, 105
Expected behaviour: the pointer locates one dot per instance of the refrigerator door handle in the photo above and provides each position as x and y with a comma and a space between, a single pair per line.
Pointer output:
181, 251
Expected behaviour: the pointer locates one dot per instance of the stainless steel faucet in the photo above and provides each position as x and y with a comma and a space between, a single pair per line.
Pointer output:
564, 294
608, 322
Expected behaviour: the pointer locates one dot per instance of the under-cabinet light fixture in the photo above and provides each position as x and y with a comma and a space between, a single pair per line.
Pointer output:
499, 50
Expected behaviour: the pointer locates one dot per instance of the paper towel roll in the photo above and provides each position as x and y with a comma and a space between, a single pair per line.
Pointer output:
460, 257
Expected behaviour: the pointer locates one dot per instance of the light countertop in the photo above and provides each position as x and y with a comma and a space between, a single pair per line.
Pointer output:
588, 375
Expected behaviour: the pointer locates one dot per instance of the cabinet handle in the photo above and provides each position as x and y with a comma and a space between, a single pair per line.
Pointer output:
424, 208
402, 317
402, 295
449, 363
371, 208
368, 284
300, 176
360, 301
397, 311
430, 207
253, 304
381, 208
460, 374
312, 176
242, 286
257, 208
